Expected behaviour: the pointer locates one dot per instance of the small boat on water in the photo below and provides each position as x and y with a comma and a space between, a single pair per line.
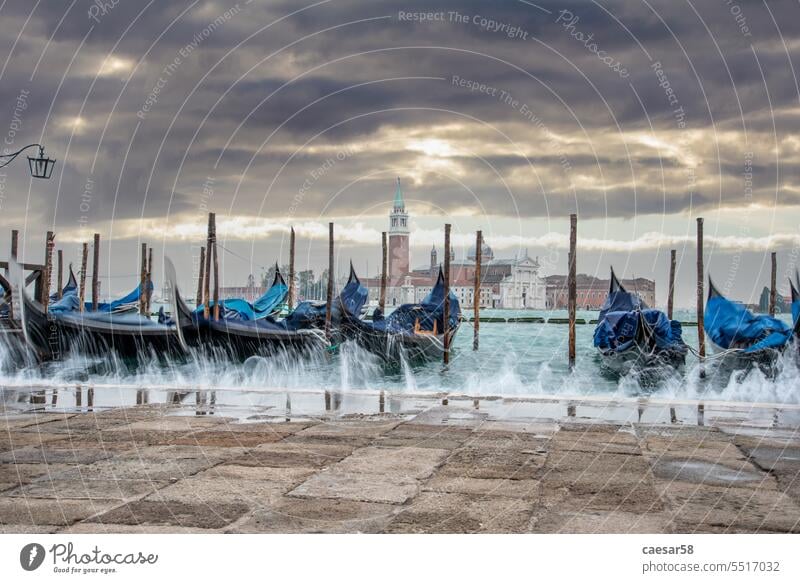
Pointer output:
240, 338
128, 334
795, 306
743, 339
630, 336
412, 331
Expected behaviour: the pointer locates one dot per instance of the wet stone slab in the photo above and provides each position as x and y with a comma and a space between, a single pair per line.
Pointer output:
53, 455
57, 489
172, 513
696, 508
407, 462
432, 512
292, 455
600, 522
713, 474
290, 515
358, 487
58, 512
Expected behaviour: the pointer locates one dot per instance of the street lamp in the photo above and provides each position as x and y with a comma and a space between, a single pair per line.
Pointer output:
40, 167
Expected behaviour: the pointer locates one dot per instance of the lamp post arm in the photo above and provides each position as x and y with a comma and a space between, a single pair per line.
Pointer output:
11, 157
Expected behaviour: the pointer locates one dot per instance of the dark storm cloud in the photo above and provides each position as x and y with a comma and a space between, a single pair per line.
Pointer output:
148, 121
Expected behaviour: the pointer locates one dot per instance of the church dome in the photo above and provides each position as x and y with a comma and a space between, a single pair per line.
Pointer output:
486, 253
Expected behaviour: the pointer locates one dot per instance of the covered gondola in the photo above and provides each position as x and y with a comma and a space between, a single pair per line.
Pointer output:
128, 335
795, 306
412, 331
630, 336
266, 305
241, 337
741, 338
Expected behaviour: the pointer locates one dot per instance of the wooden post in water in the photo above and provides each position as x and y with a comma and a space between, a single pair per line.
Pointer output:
143, 281
329, 296
572, 289
671, 288
59, 283
384, 261
96, 273
14, 244
446, 323
14, 251
290, 300
50, 242
701, 334
773, 292
476, 294
207, 280
216, 266
82, 286
148, 288
201, 277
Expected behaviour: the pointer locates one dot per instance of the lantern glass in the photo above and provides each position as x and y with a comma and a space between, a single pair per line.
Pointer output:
41, 167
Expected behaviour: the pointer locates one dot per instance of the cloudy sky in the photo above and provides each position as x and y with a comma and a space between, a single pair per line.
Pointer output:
638, 115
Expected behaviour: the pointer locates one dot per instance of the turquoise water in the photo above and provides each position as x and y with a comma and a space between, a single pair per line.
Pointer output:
515, 359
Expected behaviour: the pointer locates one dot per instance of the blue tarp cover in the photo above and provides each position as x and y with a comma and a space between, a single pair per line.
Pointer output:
240, 309
312, 314
731, 325
620, 318
70, 302
428, 311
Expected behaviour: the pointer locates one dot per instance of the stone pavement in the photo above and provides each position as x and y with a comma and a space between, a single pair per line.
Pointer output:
448, 469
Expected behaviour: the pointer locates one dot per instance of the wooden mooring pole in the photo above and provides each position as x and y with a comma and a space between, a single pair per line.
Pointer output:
201, 277
47, 274
671, 288
384, 261
572, 289
14, 253
216, 265
446, 323
149, 287
143, 281
701, 334
96, 273
207, 280
14, 244
60, 282
290, 300
476, 294
329, 294
82, 284
773, 291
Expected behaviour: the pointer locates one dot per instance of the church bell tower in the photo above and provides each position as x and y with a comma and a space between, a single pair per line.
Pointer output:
398, 237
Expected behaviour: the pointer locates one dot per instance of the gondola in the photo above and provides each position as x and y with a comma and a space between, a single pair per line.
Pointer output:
128, 335
240, 338
631, 337
412, 331
12, 334
743, 340
795, 307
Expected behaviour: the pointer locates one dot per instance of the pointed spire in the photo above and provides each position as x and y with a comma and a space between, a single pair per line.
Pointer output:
399, 203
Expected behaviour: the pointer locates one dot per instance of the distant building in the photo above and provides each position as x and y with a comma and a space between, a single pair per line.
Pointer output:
592, 291
763, 302
505, 283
